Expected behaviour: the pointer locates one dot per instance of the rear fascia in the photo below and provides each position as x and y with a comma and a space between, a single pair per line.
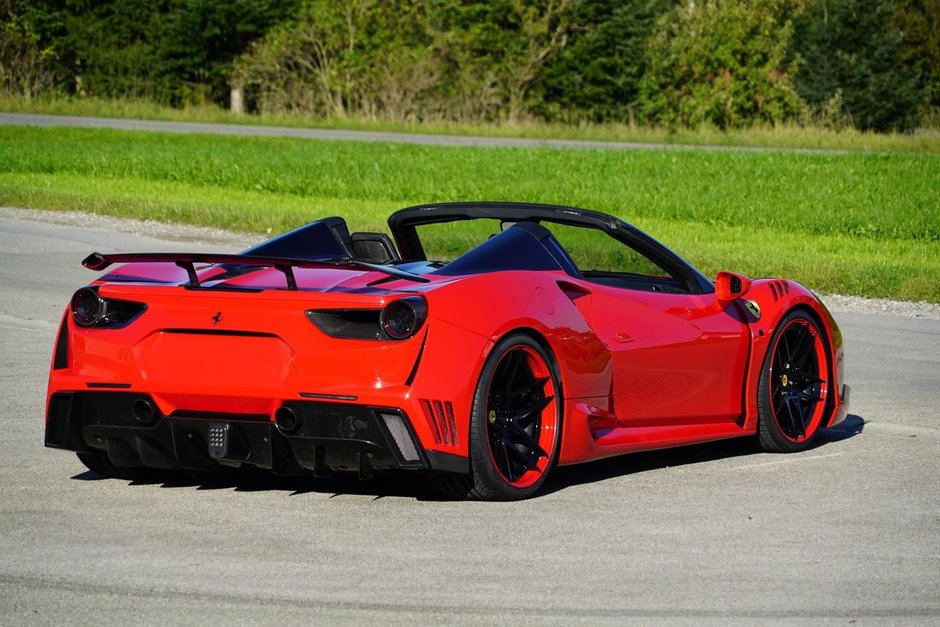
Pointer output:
227, 354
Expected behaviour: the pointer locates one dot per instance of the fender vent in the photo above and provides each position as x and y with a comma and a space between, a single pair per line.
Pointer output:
779, 288
440, 417
60, 358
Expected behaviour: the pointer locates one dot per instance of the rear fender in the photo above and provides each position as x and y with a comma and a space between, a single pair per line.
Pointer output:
531, 301
465, 327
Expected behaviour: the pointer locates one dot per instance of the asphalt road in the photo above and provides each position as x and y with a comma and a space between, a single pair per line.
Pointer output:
34, 119
722, 533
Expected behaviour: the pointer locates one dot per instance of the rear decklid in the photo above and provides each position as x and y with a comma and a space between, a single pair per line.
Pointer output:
229, 333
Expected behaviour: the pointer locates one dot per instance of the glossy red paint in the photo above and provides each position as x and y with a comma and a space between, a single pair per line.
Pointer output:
638, 369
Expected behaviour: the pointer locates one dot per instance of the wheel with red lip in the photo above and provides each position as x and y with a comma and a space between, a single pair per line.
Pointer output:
793, 391
515, 424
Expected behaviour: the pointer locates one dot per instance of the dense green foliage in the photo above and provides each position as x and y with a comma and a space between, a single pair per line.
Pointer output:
853, 69
172, 51
723, 63
872, 64
405, 60
919, 51
596, 75
856, 223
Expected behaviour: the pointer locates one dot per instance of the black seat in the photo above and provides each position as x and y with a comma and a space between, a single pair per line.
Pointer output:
373, 248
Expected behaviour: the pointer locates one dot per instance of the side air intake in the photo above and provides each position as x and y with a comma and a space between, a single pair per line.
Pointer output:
440, 417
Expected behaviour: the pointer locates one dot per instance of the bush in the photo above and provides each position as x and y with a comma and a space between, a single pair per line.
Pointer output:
854, 47
406, 60
721, 62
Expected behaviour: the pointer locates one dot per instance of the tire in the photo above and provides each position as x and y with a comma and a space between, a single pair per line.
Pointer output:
515, 425
793, 389
100, 464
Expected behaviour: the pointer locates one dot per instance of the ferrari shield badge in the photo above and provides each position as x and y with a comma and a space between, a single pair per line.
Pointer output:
753, 308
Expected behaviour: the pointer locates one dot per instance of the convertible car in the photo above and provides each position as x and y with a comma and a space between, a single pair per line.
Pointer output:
484, 345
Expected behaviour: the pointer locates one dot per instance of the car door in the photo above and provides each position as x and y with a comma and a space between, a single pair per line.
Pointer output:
679, 357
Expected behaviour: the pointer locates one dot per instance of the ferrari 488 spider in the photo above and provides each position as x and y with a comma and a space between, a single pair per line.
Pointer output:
486, 344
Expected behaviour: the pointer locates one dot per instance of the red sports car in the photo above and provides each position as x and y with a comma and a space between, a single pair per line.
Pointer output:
485, 345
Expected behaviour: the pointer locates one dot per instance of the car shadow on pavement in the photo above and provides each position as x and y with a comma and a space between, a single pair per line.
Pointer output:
634, 463
401, 483
414, 485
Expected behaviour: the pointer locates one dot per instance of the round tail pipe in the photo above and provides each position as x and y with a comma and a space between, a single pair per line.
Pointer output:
144, 411
287, 420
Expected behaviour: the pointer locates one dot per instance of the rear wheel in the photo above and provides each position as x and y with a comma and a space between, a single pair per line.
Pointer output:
515, 424
793, 391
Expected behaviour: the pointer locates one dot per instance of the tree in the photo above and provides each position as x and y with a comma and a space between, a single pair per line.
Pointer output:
361, 57
596, 75
494, 53
407, 59
721, 62
201, 38
26, 62
919, 24
852, 50
171, 51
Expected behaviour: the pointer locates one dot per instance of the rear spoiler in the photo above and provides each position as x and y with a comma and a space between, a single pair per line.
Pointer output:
188, 261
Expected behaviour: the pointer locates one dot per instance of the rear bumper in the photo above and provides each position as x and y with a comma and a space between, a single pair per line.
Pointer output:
308, 437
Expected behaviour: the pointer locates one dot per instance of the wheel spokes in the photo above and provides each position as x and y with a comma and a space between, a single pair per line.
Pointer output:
807, 377
515, 406
502, 446
525, 389
518, 435
512, 367
796, 387
797, 351
796, 423
530, 413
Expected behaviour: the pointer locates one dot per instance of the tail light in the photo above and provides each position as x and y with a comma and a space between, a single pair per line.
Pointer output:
89, 309
399, 320
403, 317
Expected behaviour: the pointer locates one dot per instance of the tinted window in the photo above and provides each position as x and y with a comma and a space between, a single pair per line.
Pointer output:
445, 241
594, 250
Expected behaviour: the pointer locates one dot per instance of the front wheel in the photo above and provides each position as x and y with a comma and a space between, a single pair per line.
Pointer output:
793, 391
515, 424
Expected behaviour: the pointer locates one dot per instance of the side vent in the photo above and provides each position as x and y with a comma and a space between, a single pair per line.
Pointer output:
779, 288
440, 417
60, 359
572, 290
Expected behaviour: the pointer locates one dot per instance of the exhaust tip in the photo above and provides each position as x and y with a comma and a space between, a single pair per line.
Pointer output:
287, 420
144, 412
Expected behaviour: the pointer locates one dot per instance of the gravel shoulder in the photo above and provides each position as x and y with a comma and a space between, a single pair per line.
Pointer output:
207, 236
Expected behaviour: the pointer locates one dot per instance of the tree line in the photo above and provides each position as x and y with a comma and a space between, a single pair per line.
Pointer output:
868, 64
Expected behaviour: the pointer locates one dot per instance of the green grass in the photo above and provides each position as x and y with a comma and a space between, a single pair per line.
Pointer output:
856, 223
786, 136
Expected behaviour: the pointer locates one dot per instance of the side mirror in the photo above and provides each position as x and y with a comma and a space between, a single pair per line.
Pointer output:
729, 286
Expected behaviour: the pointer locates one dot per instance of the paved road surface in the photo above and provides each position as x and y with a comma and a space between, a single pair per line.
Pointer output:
31, 119
716, 533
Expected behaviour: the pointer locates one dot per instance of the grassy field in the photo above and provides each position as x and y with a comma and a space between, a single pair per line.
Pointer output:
782, 136
856, 223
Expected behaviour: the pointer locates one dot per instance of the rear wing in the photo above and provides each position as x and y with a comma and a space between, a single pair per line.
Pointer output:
188, 261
